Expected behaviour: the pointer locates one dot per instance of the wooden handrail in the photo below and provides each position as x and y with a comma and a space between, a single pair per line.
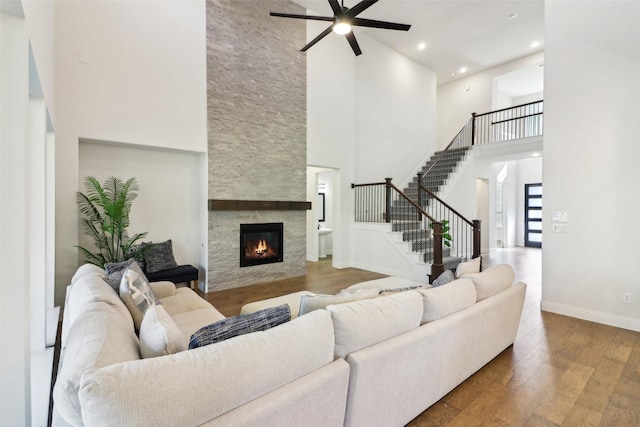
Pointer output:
446, 205
415, 205
509, 108
516, 118
365, 185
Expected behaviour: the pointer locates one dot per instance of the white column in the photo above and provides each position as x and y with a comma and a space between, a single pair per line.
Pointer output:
15, 310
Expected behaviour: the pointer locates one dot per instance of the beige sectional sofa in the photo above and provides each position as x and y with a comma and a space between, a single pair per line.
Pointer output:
262, 378
375, 362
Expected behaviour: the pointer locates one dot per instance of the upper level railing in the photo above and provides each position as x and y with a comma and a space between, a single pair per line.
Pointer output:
521, 121
507, 124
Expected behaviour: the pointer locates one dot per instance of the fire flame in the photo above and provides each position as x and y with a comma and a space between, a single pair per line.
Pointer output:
262, 247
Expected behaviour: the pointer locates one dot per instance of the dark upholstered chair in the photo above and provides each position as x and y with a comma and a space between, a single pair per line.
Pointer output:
179, 274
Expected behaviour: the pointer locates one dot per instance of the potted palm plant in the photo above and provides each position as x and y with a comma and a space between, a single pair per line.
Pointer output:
105, 217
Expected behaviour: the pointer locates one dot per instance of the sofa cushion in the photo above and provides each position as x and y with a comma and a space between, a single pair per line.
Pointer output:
99, 337
160, 257
86, 270
136, 293
447, 276
363, 323
293, 300
309, 303
88, 289
391, 291
159, 334
468, 267
445, 300
240, 325
240, 370
492, 280
115, 271
184, 300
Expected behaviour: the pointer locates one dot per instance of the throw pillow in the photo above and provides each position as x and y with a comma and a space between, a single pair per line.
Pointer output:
468, 267
309, 303
136, 293
390, 291
492, 280
159, 334
444, 278
240, 325
160, 257
115, 271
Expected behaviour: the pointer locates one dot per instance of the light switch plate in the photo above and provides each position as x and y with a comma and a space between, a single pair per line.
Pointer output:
559, 217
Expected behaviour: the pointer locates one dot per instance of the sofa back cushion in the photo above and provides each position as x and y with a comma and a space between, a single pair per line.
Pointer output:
309, 303
239, 370
444, 300
89, 289
99, 337
361, 324
492, 280
87, 270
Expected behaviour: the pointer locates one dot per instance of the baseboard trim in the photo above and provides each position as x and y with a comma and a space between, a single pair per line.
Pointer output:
592, 316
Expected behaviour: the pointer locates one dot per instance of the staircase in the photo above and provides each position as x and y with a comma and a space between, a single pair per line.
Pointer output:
413, 213
436, 171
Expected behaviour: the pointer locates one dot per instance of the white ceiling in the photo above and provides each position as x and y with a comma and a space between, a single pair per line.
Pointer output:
475, 34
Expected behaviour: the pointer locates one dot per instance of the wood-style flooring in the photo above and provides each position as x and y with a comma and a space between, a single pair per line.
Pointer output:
560, 371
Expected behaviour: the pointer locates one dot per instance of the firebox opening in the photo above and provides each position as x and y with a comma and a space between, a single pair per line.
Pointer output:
260, 244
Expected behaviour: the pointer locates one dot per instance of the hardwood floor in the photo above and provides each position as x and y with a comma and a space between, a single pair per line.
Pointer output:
560, 371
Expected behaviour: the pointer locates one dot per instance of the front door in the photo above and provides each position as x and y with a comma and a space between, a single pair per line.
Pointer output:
533, 215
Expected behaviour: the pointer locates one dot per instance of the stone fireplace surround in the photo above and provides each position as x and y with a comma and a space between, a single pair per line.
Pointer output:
257, 148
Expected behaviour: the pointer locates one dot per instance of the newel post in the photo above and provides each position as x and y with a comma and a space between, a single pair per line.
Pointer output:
437, 267
476, 238
473, 128
388, 199
420, 195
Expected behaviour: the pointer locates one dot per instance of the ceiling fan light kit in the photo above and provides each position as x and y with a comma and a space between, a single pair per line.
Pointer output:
343, 20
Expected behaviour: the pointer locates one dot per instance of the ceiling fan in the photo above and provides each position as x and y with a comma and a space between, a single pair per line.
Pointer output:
342, 21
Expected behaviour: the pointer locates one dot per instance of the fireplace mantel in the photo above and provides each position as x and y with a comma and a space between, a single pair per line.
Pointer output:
257, 205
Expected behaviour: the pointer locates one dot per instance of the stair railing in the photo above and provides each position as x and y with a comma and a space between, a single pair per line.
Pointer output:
520, 121
464, 235
383, 202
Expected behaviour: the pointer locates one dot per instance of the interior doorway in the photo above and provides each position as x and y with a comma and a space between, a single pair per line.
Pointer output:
482, 208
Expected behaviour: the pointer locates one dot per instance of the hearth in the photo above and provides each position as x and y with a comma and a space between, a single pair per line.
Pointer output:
261, 243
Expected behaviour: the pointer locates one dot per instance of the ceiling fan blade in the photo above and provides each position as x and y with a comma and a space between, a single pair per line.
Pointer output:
314, 18
372, 23
354, 43
317, 39
360, 7
335, 6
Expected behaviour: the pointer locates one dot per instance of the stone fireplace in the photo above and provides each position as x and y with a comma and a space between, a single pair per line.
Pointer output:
257, 137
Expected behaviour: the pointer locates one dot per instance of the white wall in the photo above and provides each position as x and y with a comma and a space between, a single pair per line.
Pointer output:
368, 117
169, 203
394, 116
130, 72
590, 165
456, 103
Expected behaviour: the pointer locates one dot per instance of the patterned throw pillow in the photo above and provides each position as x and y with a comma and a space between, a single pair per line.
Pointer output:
240, 325
136, 293
447, 276
160, 257
115, 271
390, 291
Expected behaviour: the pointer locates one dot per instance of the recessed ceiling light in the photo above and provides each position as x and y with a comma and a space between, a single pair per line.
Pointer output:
536, 154
422, 46
463, 70
512, 15
535, 44
453, 74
